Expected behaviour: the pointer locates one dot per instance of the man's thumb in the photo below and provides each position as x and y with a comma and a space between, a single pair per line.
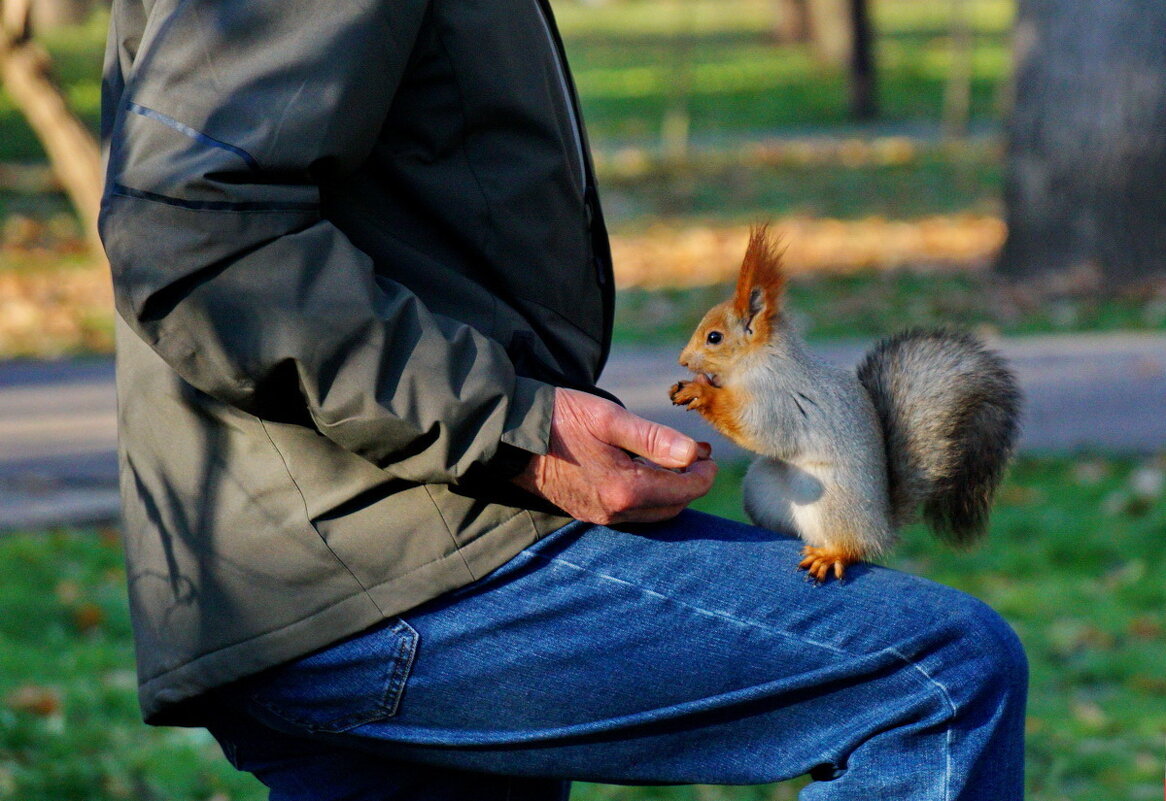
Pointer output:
660, 444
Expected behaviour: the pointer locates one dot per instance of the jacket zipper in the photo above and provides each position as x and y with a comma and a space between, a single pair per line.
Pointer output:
568, 95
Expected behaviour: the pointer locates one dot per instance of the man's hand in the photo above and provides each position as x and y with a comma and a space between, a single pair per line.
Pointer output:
591, 471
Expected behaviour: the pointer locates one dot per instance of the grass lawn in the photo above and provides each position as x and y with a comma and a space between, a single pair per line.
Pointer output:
631, 58
741, 87
746, 97
743, 91
1073, 561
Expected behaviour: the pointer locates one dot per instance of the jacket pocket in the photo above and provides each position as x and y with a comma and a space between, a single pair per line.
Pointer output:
356, 681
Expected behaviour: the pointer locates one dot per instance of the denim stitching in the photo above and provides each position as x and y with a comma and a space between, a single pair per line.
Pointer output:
390, 699
406, 654
938, 687
948, 734
697, 609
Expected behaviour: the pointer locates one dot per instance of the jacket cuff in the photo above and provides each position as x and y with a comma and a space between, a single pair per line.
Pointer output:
528, 428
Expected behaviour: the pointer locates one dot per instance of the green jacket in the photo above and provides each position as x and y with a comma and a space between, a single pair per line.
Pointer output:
355, 245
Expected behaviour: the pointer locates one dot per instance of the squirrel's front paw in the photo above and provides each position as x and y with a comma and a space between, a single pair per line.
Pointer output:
688, 393
818, 562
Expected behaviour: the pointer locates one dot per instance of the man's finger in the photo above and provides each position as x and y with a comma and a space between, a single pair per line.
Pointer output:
653, 487
650, 515
660, 444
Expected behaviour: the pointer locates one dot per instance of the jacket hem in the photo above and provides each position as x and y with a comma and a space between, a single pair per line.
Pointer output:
172, 698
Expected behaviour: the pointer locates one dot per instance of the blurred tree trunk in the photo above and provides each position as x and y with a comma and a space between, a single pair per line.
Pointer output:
26, 72
793, 21
863, 105
840, 34
1086, 157
51, 13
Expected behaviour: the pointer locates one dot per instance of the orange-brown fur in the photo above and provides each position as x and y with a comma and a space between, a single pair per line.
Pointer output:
721, 406
735, 353
754, 308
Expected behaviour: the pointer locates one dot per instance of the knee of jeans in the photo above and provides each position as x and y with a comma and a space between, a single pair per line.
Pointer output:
993, 647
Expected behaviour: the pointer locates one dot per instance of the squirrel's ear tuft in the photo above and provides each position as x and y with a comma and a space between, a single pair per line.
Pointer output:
761, 284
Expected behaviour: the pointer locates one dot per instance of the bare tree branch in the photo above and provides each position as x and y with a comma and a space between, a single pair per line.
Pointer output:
26, 71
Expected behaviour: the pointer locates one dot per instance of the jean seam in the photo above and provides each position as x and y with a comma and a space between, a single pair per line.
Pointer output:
406, 654
947, 745
700, 610
916, 668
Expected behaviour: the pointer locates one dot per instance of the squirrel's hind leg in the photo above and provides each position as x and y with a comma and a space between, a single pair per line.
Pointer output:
839, 526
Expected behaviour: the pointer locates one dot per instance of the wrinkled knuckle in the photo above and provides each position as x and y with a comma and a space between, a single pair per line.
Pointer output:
619, 497
603, 415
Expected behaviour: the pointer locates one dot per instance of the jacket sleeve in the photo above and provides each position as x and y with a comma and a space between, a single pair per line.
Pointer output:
224, 264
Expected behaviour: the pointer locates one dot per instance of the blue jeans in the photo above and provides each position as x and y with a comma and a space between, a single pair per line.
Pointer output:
687, 652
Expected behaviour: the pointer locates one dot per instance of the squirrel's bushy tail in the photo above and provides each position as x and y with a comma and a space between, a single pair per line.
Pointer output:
950, 413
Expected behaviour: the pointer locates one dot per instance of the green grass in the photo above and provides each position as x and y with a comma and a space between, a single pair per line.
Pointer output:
744, 90
628, 66
754, 181
625, 62
1073, 562
65, 648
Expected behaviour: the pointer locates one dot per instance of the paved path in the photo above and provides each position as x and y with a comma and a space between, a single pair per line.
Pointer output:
58, 440
58, 420
1103, 391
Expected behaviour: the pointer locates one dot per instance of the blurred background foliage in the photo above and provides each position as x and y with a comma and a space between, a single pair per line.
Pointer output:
705, 116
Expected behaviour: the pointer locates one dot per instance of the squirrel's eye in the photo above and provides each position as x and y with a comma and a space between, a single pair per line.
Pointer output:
714, 338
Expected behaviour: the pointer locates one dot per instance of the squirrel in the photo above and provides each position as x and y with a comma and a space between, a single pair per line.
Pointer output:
928, 421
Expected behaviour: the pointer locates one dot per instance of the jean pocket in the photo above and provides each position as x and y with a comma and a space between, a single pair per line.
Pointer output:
356, 681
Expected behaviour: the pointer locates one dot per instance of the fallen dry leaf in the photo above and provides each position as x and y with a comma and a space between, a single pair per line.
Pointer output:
87, 617
1146, 627
51, 310
36, 700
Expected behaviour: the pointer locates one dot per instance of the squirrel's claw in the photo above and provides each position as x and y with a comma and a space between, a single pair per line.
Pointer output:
684, 393
818, 563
